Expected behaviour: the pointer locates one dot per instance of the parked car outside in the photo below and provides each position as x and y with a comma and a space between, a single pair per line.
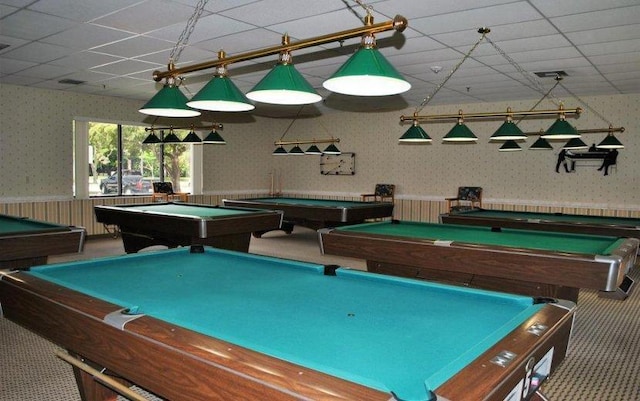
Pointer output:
131, 184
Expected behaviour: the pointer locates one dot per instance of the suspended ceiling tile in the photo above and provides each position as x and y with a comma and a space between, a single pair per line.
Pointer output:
81, 11
147, 16
126, 67
476, 18
134, 46
39, 52
207, 27
86, 36
270, 12
554, 8
30, 25
600, 19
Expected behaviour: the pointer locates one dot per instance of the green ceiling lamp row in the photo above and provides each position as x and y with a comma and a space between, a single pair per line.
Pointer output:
366, 73
507, 131
332, 149
171, 138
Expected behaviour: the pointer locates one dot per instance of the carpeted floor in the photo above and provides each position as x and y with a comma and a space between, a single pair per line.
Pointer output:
603, 363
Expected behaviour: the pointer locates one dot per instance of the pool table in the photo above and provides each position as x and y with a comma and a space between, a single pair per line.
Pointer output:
200, 323
534, 263
179, 224
316, 213
560, 222
26, 242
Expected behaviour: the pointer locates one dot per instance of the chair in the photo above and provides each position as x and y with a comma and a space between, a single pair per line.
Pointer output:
468, 198
382, 193
164, 192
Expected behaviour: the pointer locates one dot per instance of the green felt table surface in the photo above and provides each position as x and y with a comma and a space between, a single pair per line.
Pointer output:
529, 239
311, 202
384, 332
10, 225
189, 210
569, 218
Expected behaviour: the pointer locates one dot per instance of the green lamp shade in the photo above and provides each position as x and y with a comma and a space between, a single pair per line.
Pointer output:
611, 142
332, 150
313, 150
169, 102
508, 131
151, 139
460, 133
561, 129
541, 144
192, 137
284, 85
171, 138
415, 134
280, 151
220, 94
510, 146
367, 73
214, 138
575, 144
296, 151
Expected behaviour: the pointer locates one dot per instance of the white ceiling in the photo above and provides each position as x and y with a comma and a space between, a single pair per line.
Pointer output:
115, 45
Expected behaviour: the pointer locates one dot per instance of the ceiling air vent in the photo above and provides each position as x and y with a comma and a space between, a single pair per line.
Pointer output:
71, 82
550, 74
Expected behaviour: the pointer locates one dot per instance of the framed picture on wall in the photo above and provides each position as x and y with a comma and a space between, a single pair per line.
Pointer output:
342, 164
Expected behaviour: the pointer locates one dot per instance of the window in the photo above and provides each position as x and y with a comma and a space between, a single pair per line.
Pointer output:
120, 164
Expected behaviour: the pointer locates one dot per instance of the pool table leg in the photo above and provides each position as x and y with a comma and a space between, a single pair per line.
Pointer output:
286, 226
89, 388
134, 242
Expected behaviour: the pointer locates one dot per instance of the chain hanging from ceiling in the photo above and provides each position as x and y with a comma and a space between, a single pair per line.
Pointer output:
183, 39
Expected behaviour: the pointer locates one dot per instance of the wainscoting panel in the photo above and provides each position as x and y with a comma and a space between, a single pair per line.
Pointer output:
79, 212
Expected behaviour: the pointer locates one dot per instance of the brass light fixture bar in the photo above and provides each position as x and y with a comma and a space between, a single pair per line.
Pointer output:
399, 23
191, 127
562, 111
306, 142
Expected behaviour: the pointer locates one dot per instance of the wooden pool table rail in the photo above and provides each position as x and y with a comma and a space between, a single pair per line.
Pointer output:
525, 271
179, 364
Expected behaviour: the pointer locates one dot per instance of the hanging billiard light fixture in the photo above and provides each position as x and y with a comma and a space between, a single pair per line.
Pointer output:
367, 72
169, 102
284, 84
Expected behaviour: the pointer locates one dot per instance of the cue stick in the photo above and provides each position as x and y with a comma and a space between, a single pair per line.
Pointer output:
101, 377
280, 182
271, 191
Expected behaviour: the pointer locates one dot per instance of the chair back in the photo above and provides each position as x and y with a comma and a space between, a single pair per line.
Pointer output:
385, 190
163, 187
472, 194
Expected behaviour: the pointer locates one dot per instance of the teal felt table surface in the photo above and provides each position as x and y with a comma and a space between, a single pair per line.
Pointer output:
557, 217
513, 238
330, 203
187, 210
391, 334
10, 225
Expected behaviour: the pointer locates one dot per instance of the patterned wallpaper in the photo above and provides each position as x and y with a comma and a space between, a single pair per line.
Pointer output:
36, 152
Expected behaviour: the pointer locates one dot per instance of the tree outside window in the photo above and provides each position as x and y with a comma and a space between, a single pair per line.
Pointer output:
120, 164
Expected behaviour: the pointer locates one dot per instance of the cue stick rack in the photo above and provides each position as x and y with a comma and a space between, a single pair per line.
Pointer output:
101, 377
276, 183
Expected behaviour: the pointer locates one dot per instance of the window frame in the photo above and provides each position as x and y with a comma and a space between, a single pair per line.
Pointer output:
80, 184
